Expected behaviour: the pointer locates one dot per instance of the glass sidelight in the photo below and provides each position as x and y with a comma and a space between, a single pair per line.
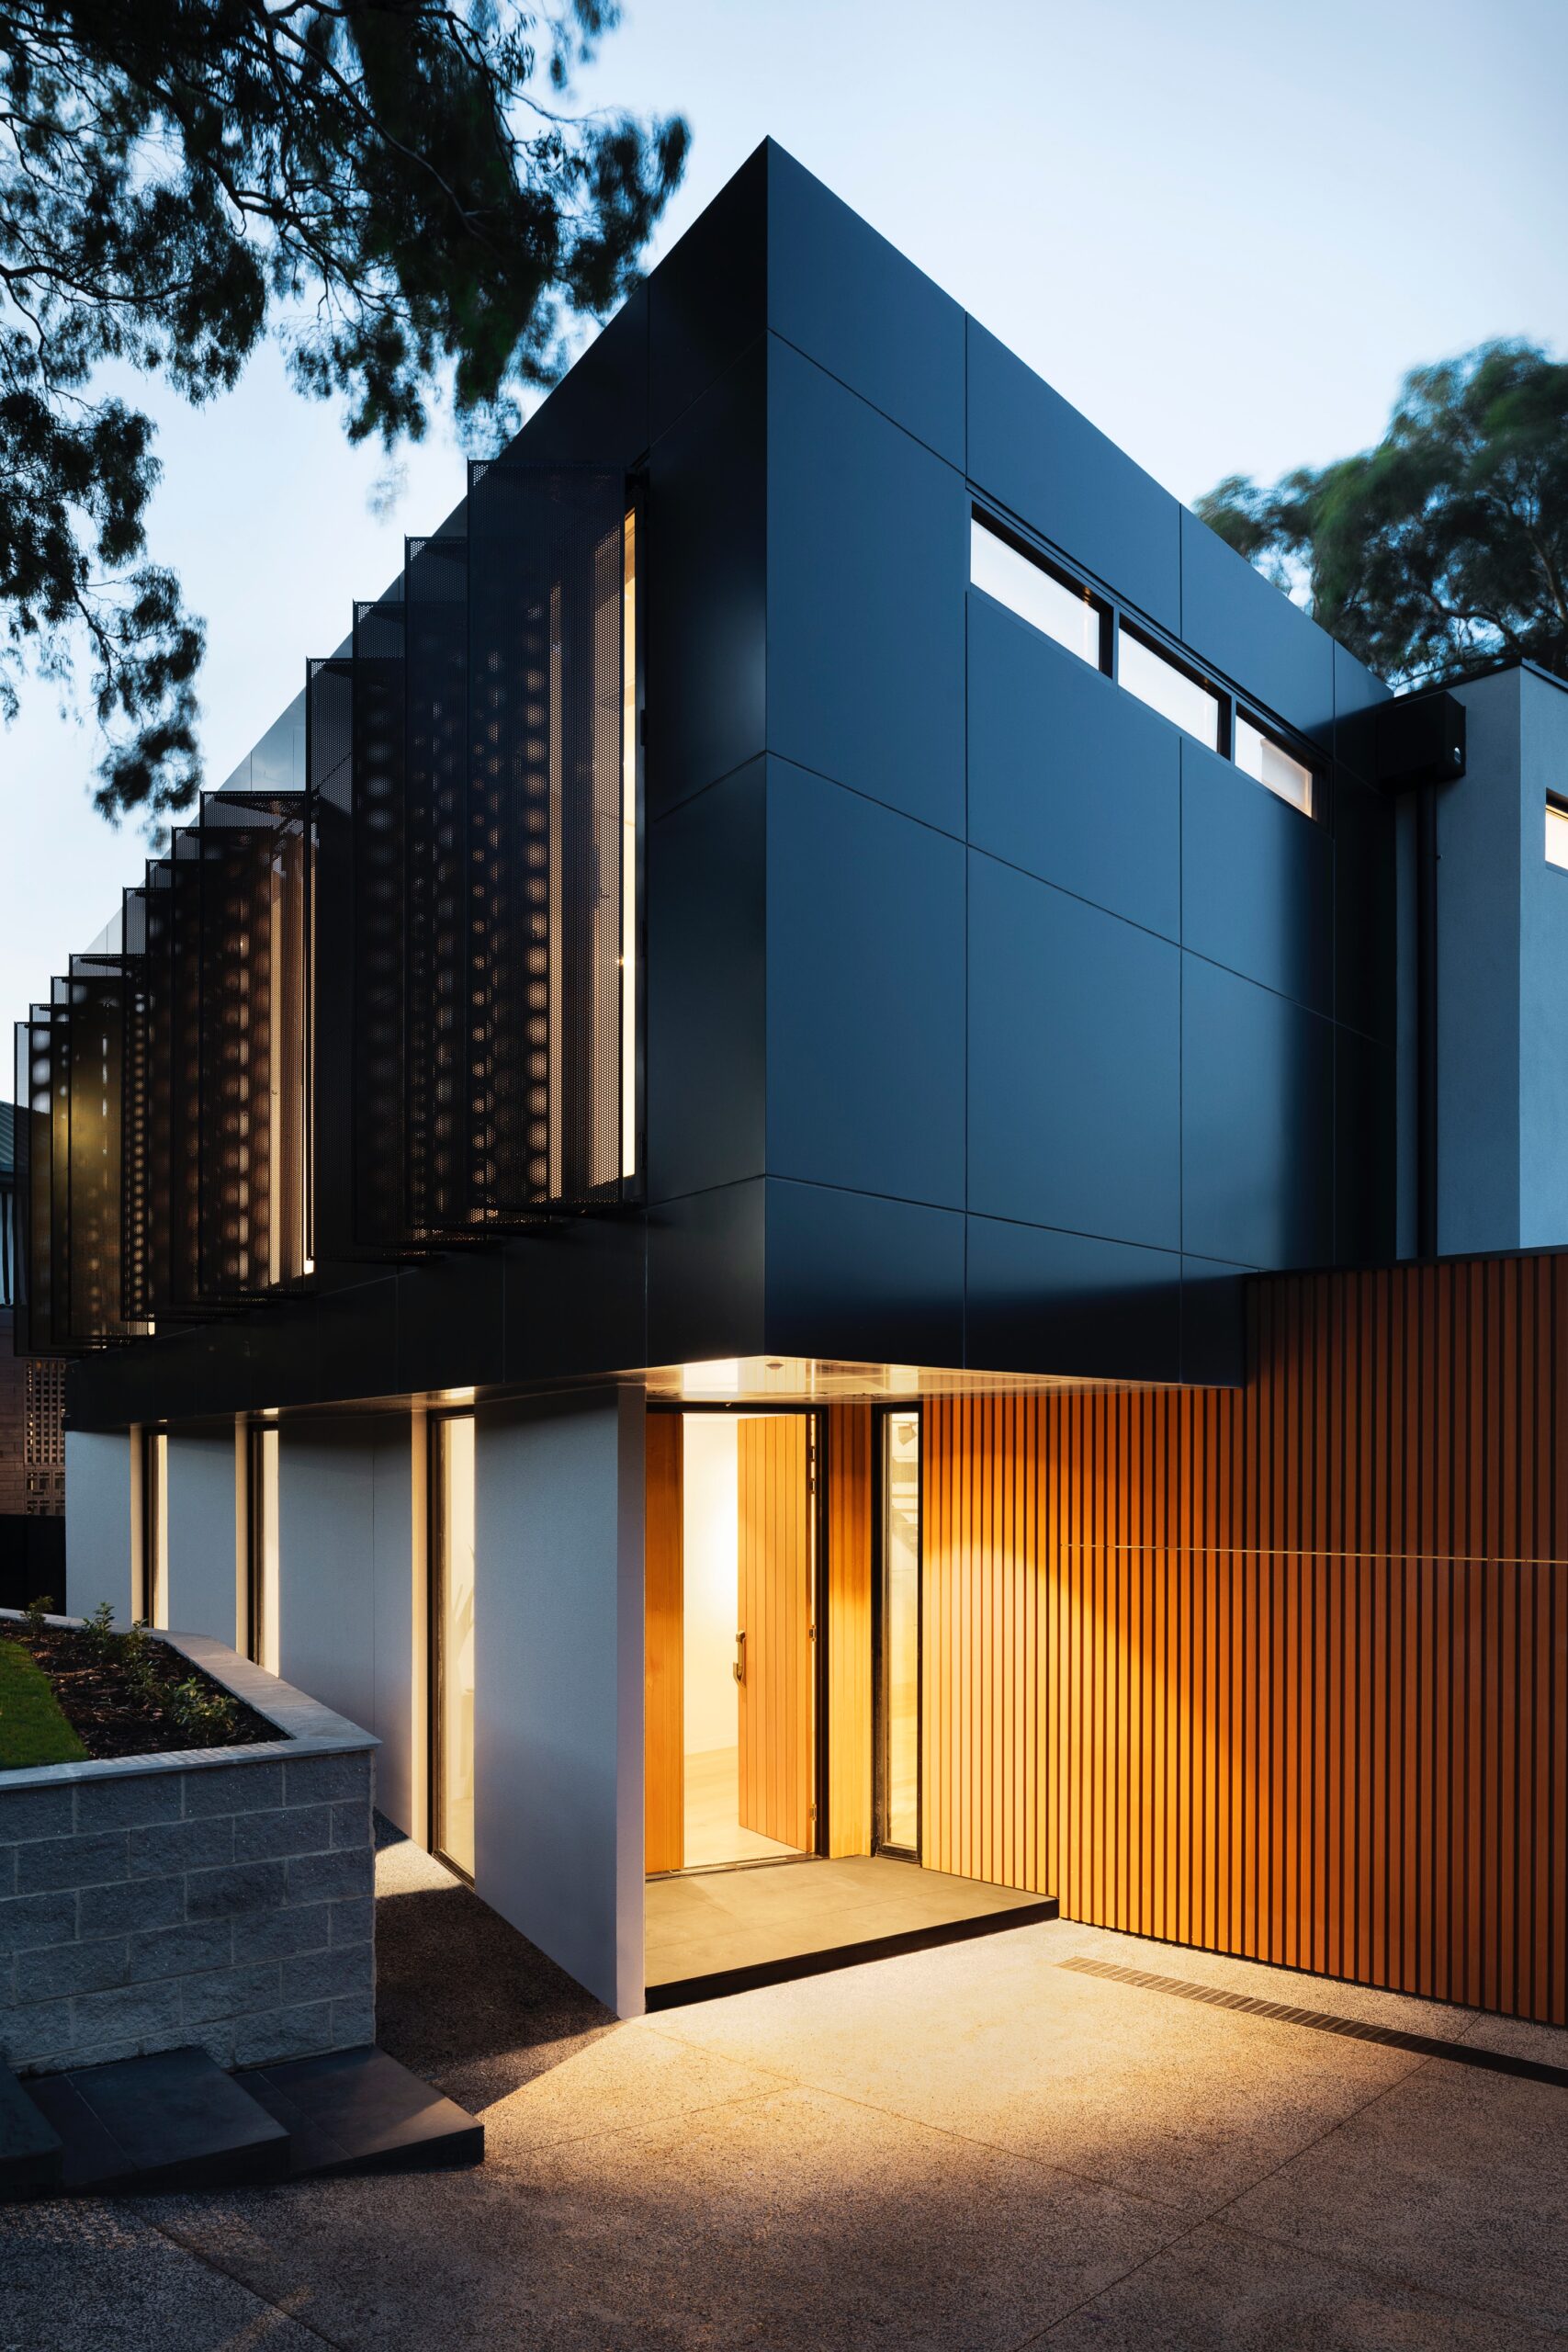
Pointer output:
899, 1695
452, 1710
150, 1595
262, 1628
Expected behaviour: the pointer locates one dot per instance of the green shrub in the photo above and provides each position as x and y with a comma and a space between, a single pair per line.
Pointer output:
203, 1713
98, 1637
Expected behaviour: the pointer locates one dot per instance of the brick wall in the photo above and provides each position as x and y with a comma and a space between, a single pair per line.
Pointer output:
226, 1903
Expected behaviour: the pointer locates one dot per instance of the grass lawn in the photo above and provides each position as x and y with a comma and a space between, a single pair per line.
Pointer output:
32, 1729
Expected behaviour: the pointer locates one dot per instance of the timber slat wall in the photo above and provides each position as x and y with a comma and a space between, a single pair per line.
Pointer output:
1280, 1671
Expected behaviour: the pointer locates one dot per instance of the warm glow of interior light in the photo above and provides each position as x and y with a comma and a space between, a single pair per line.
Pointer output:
1556, 833
156, 1598
264, 1631
455, 1655
720, 1378
628, 854
903, 1379
1258, 756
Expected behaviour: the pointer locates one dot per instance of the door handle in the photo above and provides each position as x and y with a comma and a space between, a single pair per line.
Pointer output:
739, 1669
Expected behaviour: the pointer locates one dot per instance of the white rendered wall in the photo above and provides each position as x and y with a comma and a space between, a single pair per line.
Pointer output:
346, 1577
99, 1520
200, 1506
559, 1615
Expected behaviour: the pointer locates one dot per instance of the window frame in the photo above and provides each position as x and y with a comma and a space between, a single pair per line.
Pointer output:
1235, 709
1184, 667
1243, 715
1058, 573
1556, 806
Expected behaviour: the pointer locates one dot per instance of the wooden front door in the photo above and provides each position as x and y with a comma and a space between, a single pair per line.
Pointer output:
774, 1628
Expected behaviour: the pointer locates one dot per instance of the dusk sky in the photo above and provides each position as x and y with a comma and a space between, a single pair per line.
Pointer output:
1223, 231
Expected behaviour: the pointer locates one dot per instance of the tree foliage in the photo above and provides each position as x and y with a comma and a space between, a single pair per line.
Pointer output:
1448, 543
391, 186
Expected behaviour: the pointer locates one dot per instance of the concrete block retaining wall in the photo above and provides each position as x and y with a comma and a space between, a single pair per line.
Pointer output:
218, 1897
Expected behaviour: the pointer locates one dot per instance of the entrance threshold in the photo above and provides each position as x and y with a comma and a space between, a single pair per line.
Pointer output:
717, 1932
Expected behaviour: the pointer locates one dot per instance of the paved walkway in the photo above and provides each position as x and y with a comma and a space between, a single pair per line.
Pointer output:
969, 2147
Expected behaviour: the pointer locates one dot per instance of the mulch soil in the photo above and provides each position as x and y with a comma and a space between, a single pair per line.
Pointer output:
111, 1716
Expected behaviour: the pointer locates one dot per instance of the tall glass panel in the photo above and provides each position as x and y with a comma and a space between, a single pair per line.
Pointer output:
154, 1608
901, 1631
264, 1629
455, 1641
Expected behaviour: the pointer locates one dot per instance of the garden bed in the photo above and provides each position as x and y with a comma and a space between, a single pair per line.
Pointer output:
70, 1693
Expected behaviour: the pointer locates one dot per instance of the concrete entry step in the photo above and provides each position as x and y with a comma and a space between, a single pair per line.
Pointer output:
359, 2111
173, 2120
31, 2157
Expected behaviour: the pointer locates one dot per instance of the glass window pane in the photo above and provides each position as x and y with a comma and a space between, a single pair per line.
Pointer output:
1266, 760
901, 1629
454, 1644
1069, 615
1168, 690
263, 1549
1556, 833
155, 1596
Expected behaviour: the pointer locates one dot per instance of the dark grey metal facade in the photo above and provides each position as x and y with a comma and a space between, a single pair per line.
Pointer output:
986, 1020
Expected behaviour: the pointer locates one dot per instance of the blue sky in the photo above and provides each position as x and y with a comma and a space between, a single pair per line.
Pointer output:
1224, 229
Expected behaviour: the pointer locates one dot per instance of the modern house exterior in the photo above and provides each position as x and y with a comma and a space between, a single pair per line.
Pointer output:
843, 1149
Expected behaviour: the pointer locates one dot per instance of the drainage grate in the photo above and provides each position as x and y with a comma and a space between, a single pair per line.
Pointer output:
1423, 2045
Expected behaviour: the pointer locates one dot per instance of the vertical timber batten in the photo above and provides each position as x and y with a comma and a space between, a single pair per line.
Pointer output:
1280, 1671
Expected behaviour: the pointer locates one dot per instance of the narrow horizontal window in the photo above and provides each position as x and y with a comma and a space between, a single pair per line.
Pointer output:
1168, 690
1557, 832
1069, 615
1271, 765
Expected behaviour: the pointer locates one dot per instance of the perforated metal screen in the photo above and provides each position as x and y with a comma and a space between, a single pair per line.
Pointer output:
393, 1010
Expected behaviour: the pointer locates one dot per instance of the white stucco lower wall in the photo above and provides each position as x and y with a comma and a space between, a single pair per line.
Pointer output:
99, 1518
347, 1585
200, 1506
558, 1617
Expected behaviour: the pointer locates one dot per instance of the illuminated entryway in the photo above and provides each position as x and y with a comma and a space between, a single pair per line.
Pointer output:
732, 1635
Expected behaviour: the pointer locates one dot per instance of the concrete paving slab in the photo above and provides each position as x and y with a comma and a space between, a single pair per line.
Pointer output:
1455, 2180
616, 2083
794, 2220
84, 2275
1219, 2286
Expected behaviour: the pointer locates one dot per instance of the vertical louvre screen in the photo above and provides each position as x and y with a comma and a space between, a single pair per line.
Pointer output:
70, 1061
547, 591
388, 1002
380, 857
251, 1138
435, 583
137, 1211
